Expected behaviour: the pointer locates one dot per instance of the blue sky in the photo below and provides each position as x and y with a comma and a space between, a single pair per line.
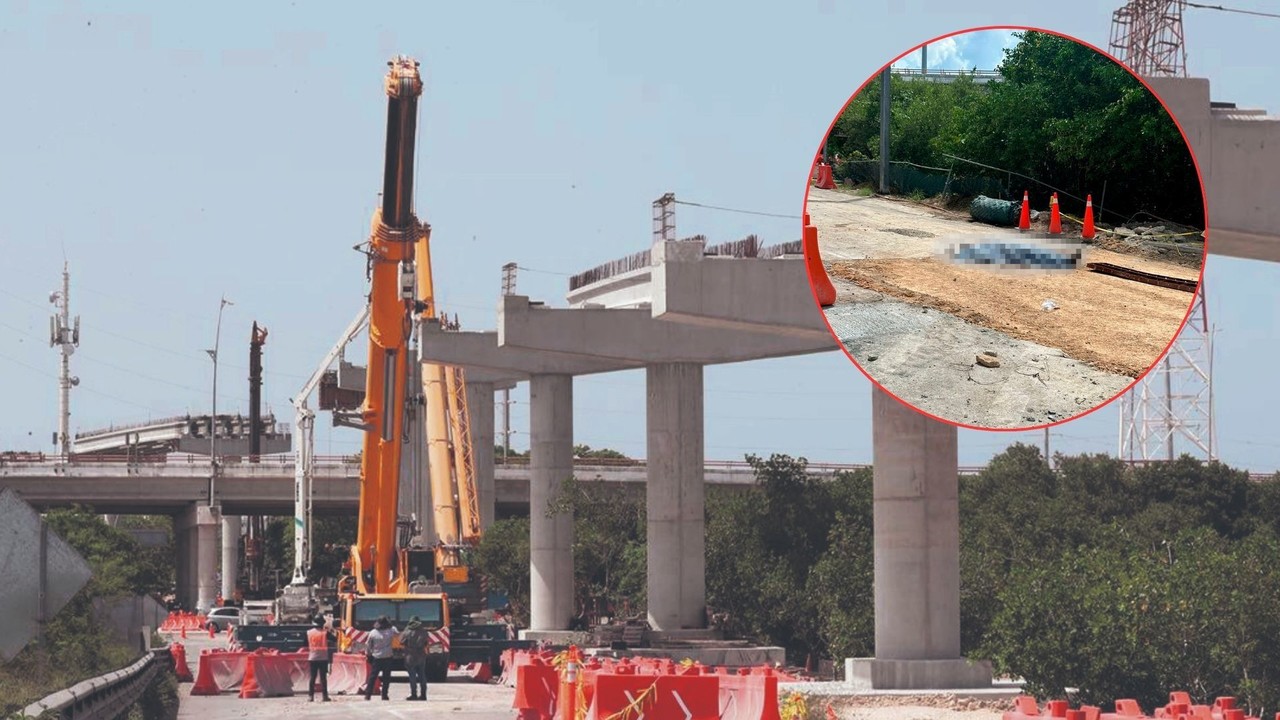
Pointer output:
981, 50
174, 155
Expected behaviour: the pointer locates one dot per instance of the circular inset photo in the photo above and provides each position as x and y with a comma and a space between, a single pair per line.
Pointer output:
1005, 228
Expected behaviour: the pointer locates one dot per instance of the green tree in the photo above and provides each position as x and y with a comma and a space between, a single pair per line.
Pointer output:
841, 580
762, 544
585, 451
609, 543
503, 557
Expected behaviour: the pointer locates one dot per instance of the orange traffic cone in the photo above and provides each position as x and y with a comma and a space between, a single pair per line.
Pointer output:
822, 287
1055, 220
568, 692
1088, 231
1024, 222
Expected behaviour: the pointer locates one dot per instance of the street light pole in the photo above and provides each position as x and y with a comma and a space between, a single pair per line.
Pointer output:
213, 417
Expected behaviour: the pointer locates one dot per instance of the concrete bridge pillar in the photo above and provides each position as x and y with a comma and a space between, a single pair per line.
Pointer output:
197, 532
183, 561
550, 538
916, 511
230, 555
675, 497
480, 410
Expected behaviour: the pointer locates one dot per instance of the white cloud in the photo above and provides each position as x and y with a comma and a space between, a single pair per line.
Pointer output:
947, 54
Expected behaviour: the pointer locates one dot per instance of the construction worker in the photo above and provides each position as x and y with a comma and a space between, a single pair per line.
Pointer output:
379, 656
320, 640
414, 642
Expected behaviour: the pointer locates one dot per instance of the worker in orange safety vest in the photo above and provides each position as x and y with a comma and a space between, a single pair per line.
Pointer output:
320, 641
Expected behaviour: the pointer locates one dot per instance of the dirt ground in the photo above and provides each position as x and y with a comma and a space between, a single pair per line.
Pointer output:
916, 322
906, 707
457, 699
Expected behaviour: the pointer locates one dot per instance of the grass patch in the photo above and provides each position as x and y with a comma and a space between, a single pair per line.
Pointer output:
53, 665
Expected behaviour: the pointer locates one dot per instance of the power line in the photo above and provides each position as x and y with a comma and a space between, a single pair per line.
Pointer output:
736, 210
544, 272
1232, 10
84, 389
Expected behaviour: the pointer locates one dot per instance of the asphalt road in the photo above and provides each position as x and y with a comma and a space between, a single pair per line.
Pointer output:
472, 701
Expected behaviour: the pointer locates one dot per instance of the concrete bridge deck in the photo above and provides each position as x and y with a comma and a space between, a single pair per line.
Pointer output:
118, 486
266, 487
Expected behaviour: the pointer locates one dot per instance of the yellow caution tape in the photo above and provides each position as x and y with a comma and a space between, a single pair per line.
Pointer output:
1078, 221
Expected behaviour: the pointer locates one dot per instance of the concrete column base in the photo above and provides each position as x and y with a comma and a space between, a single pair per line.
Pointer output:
958, 674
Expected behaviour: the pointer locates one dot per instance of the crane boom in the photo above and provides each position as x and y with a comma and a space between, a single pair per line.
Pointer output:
304, 451
394, 233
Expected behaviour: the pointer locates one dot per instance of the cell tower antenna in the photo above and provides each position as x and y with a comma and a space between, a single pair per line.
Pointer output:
1147, 36
64, 334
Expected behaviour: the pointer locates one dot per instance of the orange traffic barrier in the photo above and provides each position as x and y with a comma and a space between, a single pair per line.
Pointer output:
179, 654
822, 287
1055, 219
479, 672
748, 697
536, 685
826, 180
1057, 708
1024, 706
1024, 220
1087, 233
205, 683
249, 687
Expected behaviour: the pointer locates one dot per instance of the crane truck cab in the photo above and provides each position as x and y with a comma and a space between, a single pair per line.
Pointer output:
360, 612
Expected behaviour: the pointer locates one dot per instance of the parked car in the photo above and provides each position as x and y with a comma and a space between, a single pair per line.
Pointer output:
219, 619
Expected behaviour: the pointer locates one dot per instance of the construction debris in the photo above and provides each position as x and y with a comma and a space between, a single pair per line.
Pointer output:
988, 359
995, 212
1164, 281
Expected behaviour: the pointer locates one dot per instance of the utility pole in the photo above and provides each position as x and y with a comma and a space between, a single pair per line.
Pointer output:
256, 341
884, 130
508, 288
213, 417
64, 333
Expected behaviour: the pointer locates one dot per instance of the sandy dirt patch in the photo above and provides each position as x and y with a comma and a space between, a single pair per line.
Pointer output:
915, 322
1116, 325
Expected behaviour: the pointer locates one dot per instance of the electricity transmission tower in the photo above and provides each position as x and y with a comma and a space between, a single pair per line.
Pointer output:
1147, 36
1171, 411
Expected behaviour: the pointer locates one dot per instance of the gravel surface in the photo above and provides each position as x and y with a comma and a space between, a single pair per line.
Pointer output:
916, 323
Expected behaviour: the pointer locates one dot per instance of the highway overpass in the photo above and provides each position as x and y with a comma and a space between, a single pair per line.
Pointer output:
117, 486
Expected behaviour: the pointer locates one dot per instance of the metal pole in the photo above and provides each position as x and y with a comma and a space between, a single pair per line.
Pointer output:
64, 396
924, 59
884, 130
64, 335
506, 423
1213, 444
1046, 448
42, 610
213, 418
1168, 403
